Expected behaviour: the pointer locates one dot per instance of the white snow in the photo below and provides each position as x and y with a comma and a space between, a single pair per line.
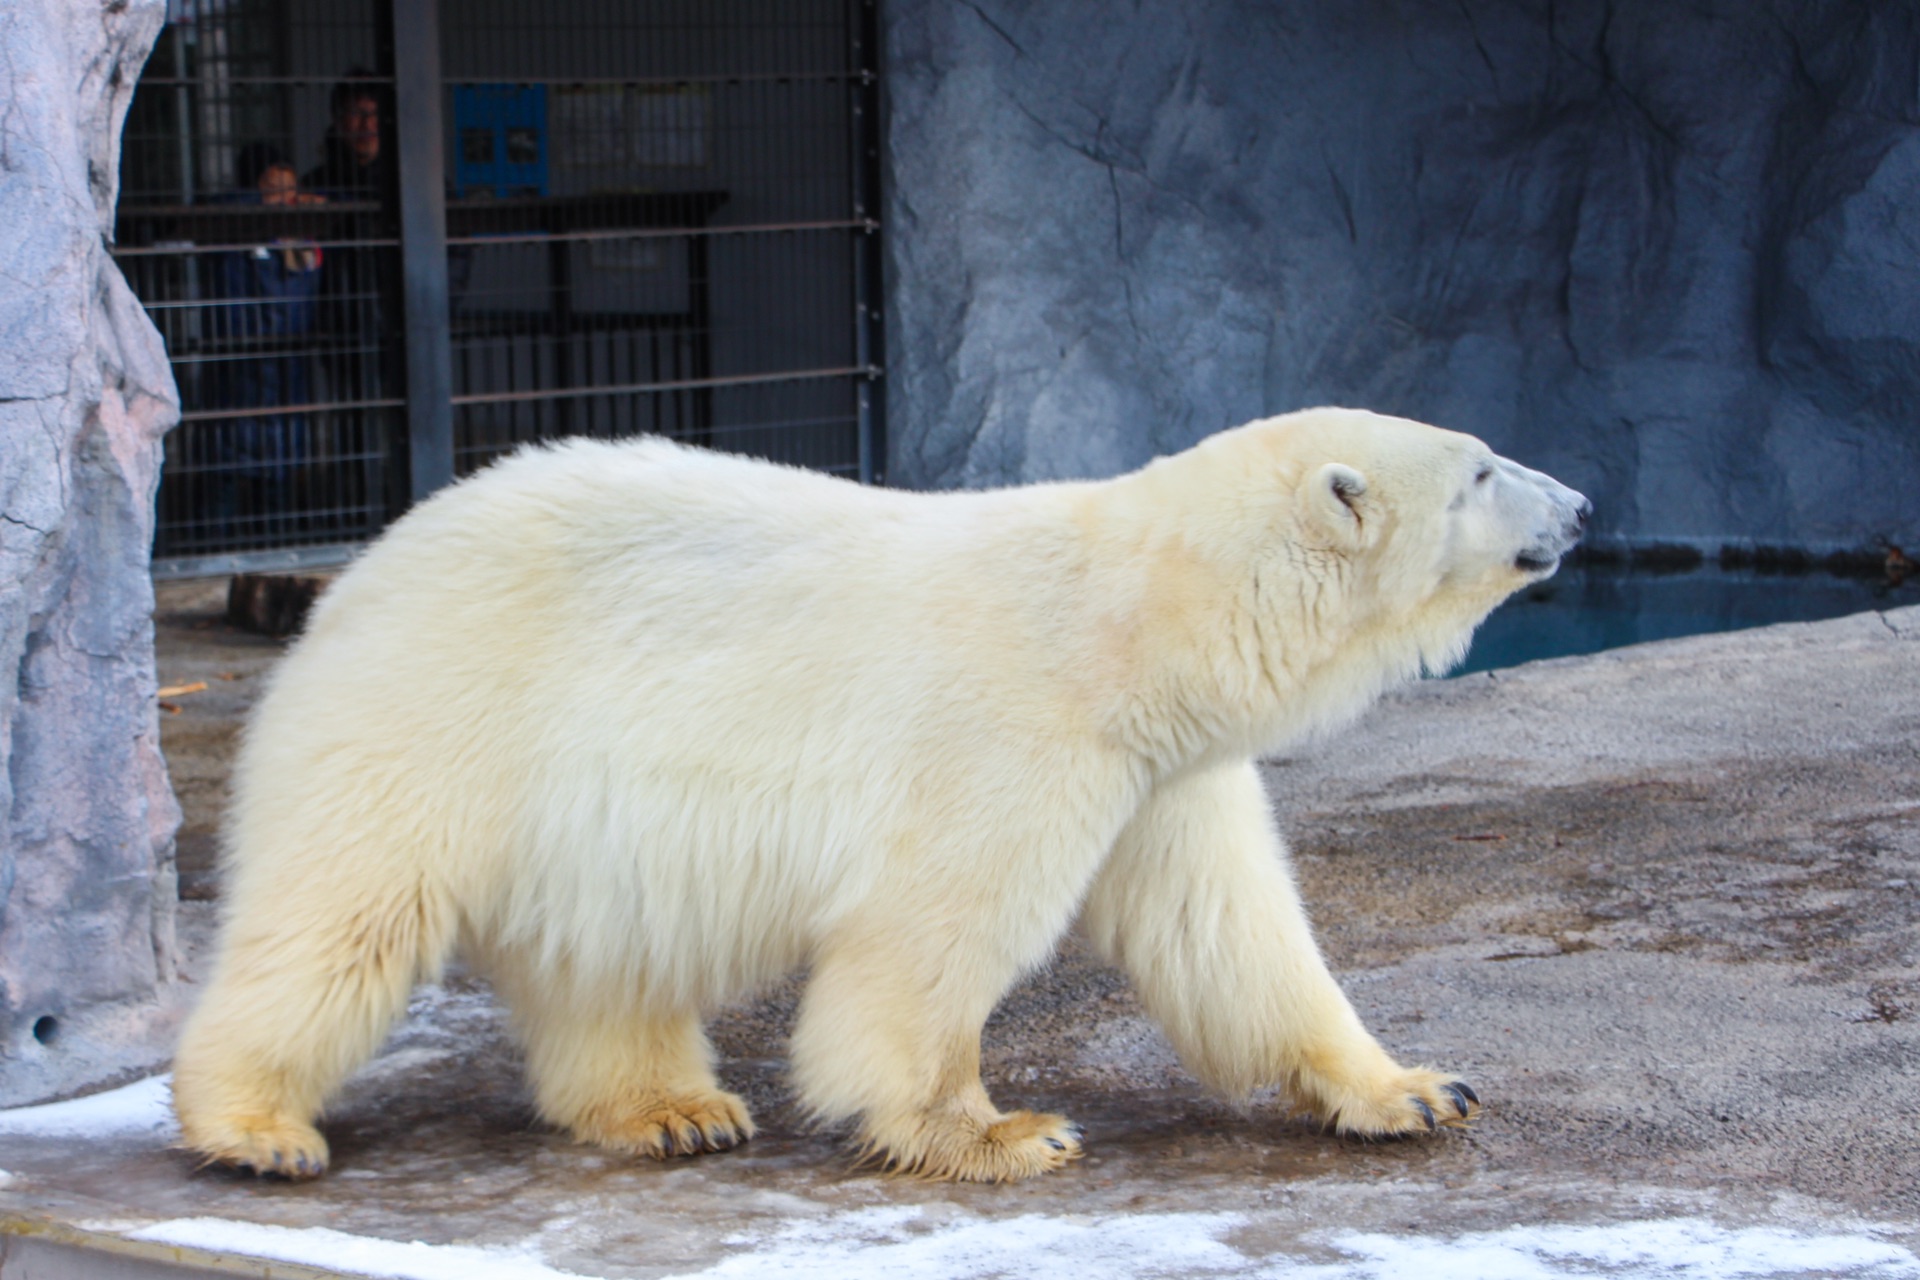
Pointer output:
146, 1106
876, 1243
895, 1242
357, 1255
1670, 1249
885, 1243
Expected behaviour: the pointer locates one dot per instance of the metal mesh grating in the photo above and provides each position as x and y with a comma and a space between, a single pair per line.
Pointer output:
658, 218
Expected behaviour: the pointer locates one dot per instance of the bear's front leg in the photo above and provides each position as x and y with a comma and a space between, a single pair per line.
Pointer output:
889, 1031
1198, 904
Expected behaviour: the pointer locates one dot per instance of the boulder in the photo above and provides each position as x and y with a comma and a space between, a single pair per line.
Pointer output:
87, 895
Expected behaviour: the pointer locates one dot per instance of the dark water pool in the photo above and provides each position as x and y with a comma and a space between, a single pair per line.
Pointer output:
1587, 608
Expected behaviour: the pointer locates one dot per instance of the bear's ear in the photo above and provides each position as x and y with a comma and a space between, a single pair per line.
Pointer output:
1337, 494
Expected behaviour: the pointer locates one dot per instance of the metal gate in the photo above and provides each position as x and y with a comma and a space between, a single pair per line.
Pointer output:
387, 244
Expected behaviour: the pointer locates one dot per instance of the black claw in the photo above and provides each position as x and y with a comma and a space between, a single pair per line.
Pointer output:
1426, 1113
1056, 1144
1075, 1132
1463, 1095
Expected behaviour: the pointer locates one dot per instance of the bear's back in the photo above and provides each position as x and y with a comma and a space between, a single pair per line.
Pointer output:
614, 677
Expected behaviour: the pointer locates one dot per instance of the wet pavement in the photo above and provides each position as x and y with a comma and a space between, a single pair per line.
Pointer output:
1658, 905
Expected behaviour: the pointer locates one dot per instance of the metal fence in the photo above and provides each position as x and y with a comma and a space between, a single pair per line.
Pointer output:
387, 244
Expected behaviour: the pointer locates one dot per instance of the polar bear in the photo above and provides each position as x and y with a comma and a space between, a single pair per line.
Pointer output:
637, 728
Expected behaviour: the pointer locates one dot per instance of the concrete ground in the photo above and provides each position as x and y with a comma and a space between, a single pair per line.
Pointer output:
1658, 905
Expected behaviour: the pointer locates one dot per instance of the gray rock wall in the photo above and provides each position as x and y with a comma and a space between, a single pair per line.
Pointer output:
1667, 250
86, 876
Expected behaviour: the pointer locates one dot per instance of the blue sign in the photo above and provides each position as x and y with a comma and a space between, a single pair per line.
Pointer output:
500, 140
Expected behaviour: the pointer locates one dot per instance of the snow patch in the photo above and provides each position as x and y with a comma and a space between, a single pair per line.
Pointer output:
893, 1242
876, 1243
145, 1106
358, 1255
1673, 1249
888, 1242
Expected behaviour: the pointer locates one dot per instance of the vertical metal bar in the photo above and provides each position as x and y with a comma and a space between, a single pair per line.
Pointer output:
183, 103
560, 300
423, 244
867, 272
700, 307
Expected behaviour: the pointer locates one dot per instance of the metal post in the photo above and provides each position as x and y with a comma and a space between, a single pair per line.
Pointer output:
865, 118
423, 243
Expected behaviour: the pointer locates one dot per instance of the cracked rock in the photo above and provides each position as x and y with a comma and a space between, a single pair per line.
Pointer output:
1669, 254
87, 954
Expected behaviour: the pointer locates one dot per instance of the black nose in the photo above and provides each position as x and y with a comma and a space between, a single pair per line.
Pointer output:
1580, 514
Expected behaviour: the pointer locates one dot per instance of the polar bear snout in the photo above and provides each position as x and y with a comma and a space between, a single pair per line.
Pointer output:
1577, 524
1560, 520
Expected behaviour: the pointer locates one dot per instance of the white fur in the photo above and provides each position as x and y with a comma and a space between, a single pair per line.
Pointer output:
642, 727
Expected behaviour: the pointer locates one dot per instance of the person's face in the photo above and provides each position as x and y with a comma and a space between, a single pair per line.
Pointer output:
358, 123
279, 185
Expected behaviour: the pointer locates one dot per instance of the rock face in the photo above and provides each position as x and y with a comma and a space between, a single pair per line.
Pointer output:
1668, 252
86, 873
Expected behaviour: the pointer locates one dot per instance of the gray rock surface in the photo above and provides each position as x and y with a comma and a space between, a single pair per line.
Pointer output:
1668, 252
86, 875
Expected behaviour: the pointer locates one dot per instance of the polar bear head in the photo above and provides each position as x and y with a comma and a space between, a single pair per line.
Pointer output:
1358, 550
1413, 532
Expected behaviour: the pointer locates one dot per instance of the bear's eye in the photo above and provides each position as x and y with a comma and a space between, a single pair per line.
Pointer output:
1483, 475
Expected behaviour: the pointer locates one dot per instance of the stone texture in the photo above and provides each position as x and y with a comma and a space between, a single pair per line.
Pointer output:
1668, 252
86, 875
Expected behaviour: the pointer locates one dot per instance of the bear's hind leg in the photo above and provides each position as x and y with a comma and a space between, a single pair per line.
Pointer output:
1198, 904
893, 1035
294, 1005
617, 1074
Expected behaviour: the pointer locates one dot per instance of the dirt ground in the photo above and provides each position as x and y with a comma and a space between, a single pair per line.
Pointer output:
1658, 905
200, 731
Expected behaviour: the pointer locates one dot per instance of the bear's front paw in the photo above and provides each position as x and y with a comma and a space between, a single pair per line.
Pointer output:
958, 1147
280, 1147
1410, 1103
682, 1125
